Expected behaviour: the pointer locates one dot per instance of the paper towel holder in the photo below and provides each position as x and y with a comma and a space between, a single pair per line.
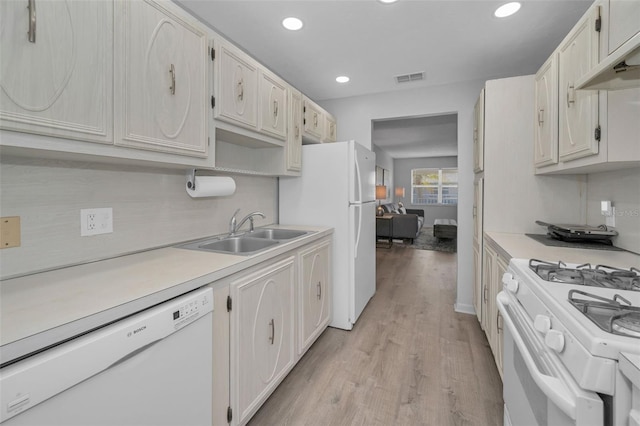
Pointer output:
191, 179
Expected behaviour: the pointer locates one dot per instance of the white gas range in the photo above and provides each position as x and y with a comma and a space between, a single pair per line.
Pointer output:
566, 326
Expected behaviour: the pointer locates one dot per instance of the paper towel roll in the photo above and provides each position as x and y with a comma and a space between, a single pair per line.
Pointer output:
212, 186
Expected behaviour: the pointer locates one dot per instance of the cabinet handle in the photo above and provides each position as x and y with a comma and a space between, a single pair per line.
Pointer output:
297, 131
273, 331
486, 290
540, 116
275, 109
241, 89
499, 323
315, 119
172, 73
32, 21
319, 291
571, 95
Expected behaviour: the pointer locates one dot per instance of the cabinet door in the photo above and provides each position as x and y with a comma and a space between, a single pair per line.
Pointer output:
488, 261
546, 107
314, 295
294, 139
501, 268
578, 110
624, 21
60, 82
478, 134
478, 198
477, 281
161, 84
312, 120
273, 106
330, 129
262, 334
237, 92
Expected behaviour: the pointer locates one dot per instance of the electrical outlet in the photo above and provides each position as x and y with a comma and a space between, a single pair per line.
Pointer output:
96, 221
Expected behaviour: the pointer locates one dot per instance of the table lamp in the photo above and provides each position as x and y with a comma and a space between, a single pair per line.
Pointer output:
381, 194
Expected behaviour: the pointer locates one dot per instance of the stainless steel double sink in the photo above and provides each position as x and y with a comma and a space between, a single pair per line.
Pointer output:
246, 244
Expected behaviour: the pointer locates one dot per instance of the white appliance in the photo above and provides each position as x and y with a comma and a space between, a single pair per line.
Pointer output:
566, 327
337, 189
152, 368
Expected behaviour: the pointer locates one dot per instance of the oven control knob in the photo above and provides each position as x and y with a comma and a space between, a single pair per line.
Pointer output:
542, 323
555, 340
510, 282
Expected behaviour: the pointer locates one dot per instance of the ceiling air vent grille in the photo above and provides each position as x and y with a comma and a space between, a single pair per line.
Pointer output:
406, 78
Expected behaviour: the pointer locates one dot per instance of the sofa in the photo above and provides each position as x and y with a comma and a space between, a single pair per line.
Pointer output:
406, 223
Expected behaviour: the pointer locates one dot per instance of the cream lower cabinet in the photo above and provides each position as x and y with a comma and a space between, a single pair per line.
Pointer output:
56, 69
494, 267
262, 334
314, 294
161, 88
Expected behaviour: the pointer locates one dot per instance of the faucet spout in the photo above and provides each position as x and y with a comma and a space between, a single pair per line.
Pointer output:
234, 225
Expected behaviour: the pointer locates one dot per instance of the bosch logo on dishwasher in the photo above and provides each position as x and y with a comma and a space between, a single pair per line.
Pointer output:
136, 331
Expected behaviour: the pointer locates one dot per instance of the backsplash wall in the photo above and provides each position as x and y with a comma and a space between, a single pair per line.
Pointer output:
622, 188
150, 208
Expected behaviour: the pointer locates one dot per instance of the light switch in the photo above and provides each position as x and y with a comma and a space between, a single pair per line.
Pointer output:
10, 231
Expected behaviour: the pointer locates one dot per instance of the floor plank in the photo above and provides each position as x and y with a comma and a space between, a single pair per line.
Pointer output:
410, 359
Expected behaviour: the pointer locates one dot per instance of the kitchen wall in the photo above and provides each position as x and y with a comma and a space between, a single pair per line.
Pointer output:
150, 208
402, 177
622, 188
355, 114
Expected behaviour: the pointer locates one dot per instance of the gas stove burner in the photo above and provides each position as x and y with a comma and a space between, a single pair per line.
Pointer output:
585, 274
615, 316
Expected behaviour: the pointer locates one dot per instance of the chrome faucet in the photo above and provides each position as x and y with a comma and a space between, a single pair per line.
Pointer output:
233, 227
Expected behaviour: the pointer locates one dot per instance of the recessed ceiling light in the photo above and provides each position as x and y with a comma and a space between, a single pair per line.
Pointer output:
507, 9
291, 23
342, 79
387, 1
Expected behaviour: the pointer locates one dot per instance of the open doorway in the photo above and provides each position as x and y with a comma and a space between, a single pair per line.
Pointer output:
420, 157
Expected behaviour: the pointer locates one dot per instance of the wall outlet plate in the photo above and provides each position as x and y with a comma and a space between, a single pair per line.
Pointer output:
96, 221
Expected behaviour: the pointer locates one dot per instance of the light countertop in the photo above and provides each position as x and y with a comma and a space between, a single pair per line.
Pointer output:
45, 308
522, 247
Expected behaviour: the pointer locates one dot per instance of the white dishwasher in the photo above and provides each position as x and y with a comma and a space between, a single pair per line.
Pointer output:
151, 368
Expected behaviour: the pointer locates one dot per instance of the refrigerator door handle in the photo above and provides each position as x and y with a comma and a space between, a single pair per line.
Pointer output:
355, 252
358, 178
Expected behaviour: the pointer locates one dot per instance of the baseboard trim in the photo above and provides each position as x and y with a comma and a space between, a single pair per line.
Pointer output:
464, 309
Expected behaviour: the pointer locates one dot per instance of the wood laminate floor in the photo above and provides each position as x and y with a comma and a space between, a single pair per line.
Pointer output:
410, 359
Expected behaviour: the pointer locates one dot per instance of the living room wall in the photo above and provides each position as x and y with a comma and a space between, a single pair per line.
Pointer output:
402, 178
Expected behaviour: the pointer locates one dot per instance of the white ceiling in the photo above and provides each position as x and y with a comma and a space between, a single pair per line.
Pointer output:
372, 42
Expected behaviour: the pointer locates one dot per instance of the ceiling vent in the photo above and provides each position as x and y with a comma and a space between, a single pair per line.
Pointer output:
406, 78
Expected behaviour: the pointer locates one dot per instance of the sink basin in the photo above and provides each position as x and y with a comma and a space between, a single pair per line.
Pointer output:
277, 234
235, 245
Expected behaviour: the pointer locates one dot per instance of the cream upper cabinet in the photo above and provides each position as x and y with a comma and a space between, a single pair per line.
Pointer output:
579, 132
314, 294
313, 120
546, 114
330, 130
262, 330
294, 139
237, 87
56, 68
273, 105
478, 134
624, 22
161, 88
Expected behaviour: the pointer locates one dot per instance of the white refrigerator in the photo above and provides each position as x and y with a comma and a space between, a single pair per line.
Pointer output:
337, 189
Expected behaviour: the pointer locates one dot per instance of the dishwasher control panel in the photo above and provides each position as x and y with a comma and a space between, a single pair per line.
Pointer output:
190, 310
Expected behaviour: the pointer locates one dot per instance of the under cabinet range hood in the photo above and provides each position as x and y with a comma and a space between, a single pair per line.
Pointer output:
619, 70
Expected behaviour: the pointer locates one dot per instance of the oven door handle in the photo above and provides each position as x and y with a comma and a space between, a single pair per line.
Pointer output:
552, 387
